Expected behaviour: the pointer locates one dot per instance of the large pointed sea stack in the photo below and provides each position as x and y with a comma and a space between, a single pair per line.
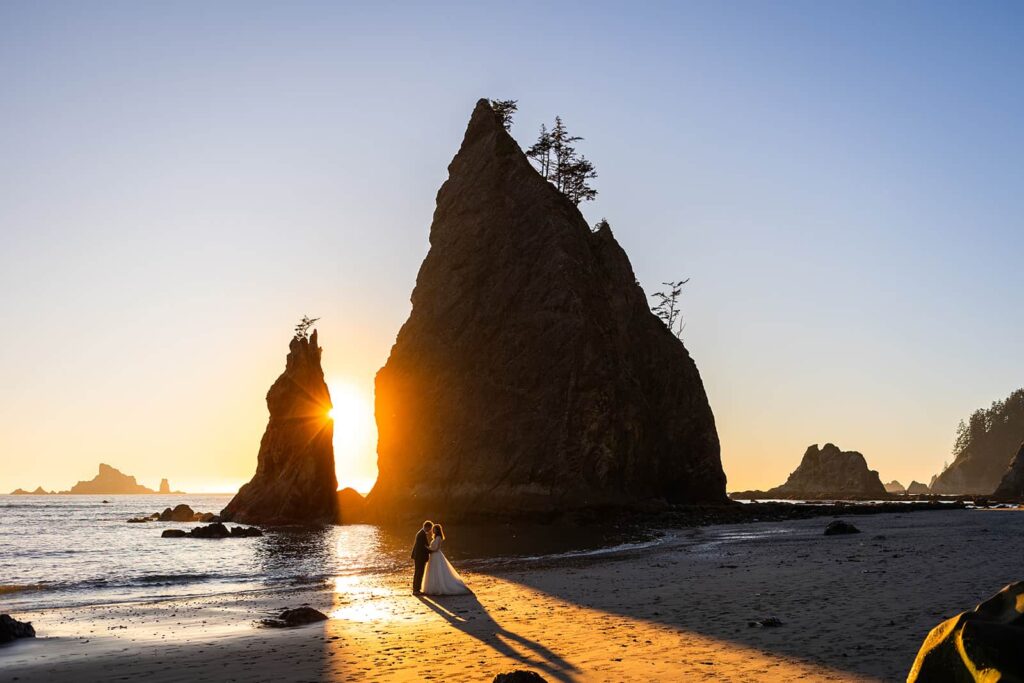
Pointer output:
1012, 485
531, 375
294, 481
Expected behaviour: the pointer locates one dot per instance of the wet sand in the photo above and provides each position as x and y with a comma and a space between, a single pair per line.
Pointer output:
853, 608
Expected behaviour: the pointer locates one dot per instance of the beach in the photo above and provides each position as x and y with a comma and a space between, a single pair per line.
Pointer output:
852, 608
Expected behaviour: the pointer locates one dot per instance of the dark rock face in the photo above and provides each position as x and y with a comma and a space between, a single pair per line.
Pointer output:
985, 445
109, 481
894, 487
300, 616
531, 374
11, 629
294, 481
351, 506
839, 527
916, 488
981, 645
1012, 485
831, 473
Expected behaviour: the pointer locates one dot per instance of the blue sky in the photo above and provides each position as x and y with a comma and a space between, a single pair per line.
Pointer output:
840, 181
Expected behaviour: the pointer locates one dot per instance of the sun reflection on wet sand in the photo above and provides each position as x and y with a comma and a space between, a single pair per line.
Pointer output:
357, 598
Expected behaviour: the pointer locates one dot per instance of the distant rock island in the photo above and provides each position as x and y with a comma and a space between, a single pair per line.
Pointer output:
985, 445
40, 491
916, 488
895, 487
294, 481
531, 375
827, 473
109, 481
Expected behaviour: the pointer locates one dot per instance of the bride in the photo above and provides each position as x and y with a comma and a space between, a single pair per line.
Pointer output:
441, 577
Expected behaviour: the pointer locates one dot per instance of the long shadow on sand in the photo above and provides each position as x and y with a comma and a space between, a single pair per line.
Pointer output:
860, 604
465, 613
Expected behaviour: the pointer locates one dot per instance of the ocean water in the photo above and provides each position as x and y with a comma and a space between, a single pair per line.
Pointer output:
78, 550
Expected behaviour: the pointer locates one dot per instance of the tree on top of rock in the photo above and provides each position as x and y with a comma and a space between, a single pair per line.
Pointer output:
302, 329
556, 159
667, 306
505, 109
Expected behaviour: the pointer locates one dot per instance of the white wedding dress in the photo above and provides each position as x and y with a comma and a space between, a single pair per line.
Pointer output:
441, 577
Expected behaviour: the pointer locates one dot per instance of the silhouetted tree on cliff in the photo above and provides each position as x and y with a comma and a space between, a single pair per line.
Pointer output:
998, 428
667, 306
505, 110
557, 160
302, 329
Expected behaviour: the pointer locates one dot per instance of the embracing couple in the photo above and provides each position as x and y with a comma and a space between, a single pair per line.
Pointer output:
434, 574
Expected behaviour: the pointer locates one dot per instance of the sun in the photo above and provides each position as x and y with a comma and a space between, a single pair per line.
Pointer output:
355, 435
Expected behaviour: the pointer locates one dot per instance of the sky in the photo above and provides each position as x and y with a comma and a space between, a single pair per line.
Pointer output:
841, 182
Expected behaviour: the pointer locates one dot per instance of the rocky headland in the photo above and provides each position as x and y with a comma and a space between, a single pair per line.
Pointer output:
1011, 487
985, 445
295, 481
531, 375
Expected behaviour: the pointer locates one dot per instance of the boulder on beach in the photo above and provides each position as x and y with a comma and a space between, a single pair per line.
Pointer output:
215, 530
839, 527
294, 481
981, 645
895, 487
831, 473
531, 375
180, 513
300, 616
916, 488
519, 676
11, 629
1011, 487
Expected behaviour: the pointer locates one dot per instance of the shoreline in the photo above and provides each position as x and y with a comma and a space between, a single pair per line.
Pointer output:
852, 608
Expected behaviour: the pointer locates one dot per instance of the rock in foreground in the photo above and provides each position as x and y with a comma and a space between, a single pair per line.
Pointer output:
531, 375
519, 676
981, 645
839, 527
294, 481
831, 473
300, 616
1012, 485
11, 629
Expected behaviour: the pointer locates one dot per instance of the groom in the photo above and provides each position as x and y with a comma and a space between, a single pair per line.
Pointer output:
420, 555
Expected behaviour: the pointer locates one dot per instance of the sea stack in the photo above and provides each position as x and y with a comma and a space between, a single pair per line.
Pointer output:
895, 487
1012, 485
109, 481
294, 481
831, 473
531, 375
165, 486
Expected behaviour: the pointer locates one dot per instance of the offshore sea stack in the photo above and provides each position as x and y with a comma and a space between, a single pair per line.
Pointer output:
1012, 485
831, 473
294, 481
531, 375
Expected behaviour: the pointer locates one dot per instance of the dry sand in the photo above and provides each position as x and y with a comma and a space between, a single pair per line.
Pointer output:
853, 608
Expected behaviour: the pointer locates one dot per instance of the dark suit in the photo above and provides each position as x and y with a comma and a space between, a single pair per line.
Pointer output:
420, 555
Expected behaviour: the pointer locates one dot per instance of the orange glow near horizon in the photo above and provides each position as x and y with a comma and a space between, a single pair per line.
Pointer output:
355, 436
